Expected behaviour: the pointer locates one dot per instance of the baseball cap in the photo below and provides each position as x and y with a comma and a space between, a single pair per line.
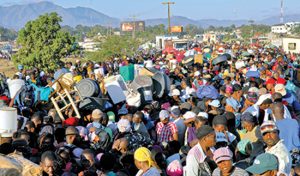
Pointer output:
175, 92
271, 81
220, 137
263, 163
222, 154
203, 114
280, 88
254, 90
268, 126
204, 131
186, 106
97, 114
71, 131
122, 111
197, 73
263, 98
164, 114
215, 103
111, 116
189, 115
175, 111
219, 120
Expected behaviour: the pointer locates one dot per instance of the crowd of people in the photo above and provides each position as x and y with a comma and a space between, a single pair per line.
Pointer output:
238, 117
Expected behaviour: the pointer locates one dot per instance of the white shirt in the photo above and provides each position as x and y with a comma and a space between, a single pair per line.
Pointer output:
194, 157
283, 155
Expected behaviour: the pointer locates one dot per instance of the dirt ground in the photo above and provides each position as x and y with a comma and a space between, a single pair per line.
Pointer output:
7, 67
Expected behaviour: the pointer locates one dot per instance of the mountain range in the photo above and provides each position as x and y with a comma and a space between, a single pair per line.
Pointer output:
16, 16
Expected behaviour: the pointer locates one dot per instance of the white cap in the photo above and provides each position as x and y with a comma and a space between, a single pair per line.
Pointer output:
189, 115
175, 92
197, 73
203, 114
215, 103
262, 98
254, 90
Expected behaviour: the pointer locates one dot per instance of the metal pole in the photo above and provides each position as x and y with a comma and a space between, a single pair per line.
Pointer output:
169, 14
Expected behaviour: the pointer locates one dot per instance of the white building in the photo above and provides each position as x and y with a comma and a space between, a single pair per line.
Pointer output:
284, 28
210, 36
89, 45
291, 44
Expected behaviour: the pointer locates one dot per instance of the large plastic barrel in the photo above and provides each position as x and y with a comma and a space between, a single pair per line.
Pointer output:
8, 119
143, 85
88, 88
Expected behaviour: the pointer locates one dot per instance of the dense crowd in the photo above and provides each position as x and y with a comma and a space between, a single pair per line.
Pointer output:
236, 117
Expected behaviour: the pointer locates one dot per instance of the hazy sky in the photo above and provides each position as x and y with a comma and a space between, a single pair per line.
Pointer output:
195, 9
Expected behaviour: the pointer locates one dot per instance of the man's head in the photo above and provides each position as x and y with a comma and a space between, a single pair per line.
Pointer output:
220, 123
30, 127
97, 115
175, 112
36, 118
164, 116
276, 97
264, 164
201, 119
206, 136
264, 101
270, 133
138, 117
278, 110
87, 158
270, 84
237, 89
71, 134
47, 162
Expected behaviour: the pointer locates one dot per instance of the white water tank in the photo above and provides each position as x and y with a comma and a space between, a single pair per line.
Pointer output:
9, 122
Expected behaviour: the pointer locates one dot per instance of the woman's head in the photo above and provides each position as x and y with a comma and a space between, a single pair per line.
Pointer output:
223, 158
142, 158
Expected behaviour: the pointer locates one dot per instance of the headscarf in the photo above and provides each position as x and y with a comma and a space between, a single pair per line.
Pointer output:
143, 154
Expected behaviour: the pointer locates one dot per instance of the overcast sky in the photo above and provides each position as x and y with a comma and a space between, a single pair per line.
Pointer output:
195, 9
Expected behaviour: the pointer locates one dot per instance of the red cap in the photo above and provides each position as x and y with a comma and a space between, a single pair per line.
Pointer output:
71, 121
281, 81
271, 81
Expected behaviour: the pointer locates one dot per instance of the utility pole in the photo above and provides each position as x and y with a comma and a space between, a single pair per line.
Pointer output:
133, 31
281, 12
169, 14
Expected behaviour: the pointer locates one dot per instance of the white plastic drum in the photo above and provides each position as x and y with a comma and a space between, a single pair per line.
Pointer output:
14, 86
8, 119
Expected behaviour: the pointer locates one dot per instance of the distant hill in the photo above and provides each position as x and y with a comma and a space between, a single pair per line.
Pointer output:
16, 16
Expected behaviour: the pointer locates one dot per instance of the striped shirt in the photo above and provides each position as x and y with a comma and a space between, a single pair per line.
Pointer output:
165, 132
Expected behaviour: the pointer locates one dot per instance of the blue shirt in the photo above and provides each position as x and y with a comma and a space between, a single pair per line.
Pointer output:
289, 132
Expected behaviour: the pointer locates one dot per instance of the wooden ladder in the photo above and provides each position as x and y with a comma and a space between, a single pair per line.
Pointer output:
67, 102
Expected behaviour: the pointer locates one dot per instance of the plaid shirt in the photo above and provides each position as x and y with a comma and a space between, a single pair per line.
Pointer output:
165, 132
